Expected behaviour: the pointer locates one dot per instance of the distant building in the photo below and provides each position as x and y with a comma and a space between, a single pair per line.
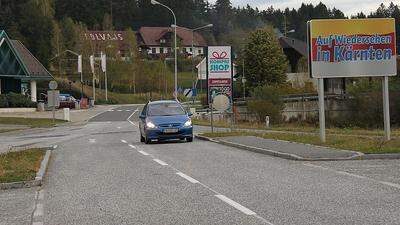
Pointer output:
296, 52
157, 41
100, 39
19, 69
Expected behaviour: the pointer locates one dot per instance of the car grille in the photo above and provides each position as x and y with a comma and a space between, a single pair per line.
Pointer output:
170, 125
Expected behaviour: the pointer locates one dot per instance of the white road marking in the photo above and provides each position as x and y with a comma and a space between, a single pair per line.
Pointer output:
111, 110
39, 210
162, 163
37, 223
132, 146
119, 110
354, 175
143, 153
118, 127
390, 184
92, 140
235, 205
41, 195
123, 141
128, 110
315, 166
350, 174
129, 118
194, 181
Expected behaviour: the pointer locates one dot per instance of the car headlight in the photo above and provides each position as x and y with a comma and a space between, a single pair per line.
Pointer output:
150, 125
188, 123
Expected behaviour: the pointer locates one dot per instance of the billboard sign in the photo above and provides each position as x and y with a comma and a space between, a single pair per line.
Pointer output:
352, 48
219, 71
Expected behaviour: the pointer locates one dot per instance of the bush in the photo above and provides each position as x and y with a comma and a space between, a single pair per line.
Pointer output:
104, 102
18, 101
3, 101
266, 101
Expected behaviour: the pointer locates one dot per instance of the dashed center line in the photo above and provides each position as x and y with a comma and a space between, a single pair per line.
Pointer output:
162, 163
119, 127
194, 181
390, 184
39, 210
235, 205
353, 175
143, 153
92, 140
119, 110
123, 141
132, 146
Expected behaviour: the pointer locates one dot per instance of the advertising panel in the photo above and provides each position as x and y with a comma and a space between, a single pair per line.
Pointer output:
219, 71
352, 48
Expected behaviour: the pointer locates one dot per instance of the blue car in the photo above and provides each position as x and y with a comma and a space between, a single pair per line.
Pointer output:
165, 120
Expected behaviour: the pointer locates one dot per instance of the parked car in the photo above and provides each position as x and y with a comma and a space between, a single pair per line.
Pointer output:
165, 120
67, 101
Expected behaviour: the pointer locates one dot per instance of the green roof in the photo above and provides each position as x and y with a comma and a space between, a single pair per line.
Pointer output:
18, 62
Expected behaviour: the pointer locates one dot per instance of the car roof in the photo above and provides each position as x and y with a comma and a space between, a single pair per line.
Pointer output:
163, 102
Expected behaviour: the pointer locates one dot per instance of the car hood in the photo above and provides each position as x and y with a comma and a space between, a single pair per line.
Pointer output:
168, 119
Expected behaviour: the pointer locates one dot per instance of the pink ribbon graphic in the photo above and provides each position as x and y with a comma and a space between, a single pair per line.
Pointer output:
216, 55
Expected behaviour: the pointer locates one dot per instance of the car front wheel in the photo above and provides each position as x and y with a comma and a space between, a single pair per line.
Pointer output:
142, 139
189, 139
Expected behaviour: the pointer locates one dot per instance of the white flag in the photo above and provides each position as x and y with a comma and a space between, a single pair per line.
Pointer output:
92, 63
103, 62
79, 63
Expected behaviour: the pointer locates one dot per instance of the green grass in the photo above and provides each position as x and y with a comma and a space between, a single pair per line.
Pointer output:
31, 122
7, 130
368, 145
20, 166
302, 128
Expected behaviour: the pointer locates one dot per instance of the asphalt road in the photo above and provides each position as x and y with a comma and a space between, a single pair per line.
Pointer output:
106, 176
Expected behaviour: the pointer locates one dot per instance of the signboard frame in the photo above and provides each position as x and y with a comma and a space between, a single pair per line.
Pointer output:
344, 48
209, 96
352, 70
226, 79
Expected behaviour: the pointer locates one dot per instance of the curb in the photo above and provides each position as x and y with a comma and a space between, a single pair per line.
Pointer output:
39, 175
283, 155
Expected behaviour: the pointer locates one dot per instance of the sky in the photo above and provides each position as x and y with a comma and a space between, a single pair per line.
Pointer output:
349, 7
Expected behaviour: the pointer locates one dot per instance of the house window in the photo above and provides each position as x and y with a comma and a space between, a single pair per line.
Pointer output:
200, 52
153, 50
191, 50
162, 41
161, 50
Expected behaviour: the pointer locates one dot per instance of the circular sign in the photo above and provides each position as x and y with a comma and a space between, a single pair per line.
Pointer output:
53, 85
221, 103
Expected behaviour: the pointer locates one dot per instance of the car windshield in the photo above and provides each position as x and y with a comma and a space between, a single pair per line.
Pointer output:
165, 109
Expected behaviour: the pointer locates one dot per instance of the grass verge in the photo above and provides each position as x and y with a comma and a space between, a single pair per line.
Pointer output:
366, 145
299, 128
20, 166
7, 130
31, 122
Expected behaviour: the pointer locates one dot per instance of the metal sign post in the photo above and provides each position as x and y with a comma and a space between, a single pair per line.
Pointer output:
80, 73
386, 110
104, 68
53, 98
212, 116
321, 104
94, 78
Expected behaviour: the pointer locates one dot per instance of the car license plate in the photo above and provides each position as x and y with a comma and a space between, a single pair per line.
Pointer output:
169, 131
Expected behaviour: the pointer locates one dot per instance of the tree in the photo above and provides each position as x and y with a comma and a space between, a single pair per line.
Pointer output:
264, 59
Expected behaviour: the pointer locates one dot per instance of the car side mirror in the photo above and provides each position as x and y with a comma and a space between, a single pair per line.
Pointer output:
190, 114
142, 116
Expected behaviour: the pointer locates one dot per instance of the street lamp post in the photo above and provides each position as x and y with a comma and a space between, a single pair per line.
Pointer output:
154, 2
193, 54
